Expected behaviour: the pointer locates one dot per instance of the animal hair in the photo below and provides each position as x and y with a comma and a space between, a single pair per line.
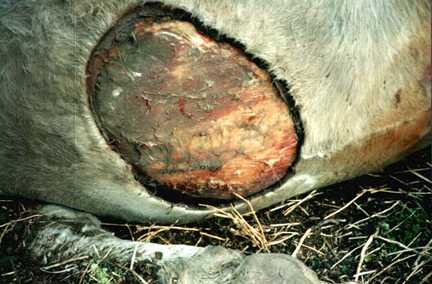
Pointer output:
343, 60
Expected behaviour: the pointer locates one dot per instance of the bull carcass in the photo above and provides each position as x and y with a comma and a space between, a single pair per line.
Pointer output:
143, 111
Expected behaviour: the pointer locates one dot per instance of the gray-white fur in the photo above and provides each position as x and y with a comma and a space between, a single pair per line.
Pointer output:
345, 60
67, 234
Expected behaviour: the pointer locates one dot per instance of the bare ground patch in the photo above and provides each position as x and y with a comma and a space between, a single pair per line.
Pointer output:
373, 229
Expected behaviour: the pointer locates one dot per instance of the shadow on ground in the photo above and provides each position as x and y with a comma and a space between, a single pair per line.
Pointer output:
373, 229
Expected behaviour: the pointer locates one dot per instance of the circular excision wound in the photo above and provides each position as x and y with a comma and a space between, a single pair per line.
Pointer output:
189, 112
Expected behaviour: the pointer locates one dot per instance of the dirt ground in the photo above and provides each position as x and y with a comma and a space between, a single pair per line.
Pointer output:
373, 229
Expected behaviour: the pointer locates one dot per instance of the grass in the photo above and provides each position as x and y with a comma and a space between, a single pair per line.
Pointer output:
373, 229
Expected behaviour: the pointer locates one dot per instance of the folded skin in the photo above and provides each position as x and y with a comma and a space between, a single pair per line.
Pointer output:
62, 234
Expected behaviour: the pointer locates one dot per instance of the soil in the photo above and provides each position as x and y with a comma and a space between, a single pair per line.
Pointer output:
373, 229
